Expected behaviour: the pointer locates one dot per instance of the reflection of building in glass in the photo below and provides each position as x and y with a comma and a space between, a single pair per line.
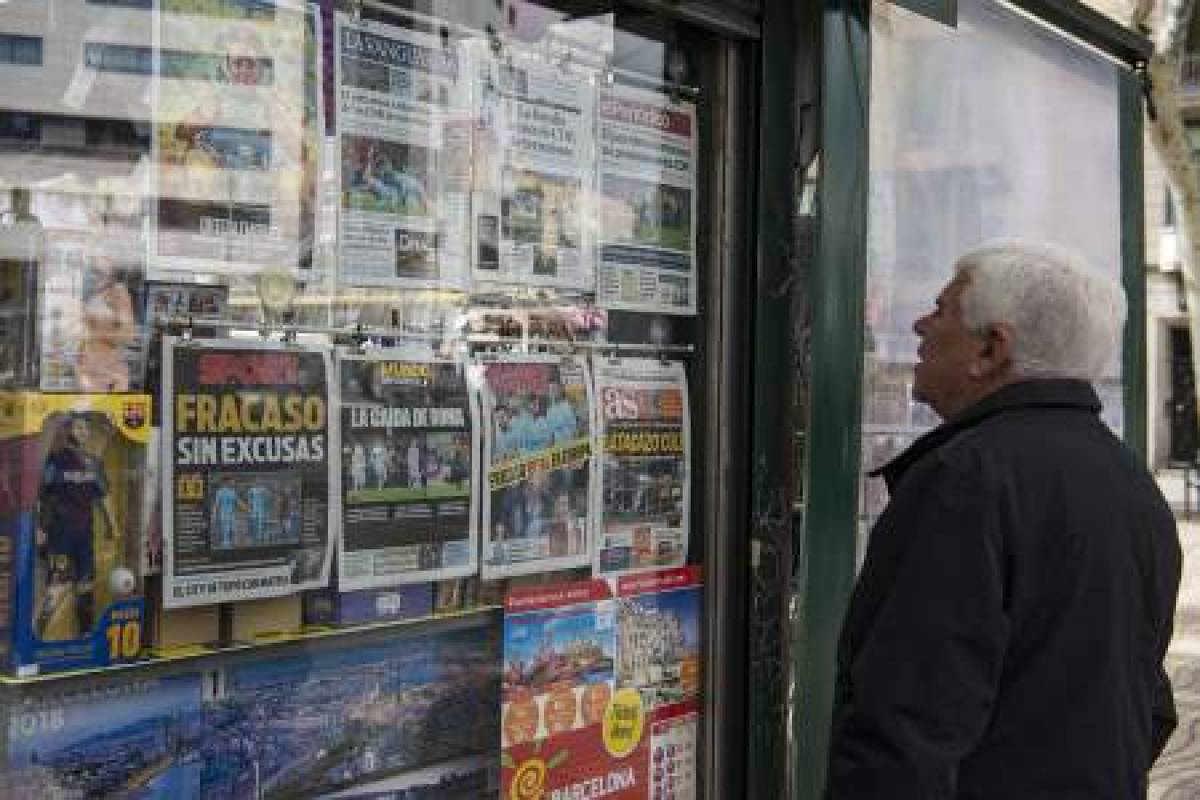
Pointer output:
650, 644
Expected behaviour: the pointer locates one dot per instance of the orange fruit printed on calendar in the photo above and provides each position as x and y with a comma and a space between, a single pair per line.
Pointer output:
561, 709
595, 701
521, 720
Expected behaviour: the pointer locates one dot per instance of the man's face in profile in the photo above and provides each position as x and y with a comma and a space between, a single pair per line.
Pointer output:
947, 353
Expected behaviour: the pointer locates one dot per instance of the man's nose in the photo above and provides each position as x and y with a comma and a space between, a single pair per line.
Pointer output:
919, 326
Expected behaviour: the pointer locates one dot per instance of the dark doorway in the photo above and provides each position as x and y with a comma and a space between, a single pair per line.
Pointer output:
1182, 403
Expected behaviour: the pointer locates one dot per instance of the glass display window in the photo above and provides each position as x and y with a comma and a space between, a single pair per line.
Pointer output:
396, 317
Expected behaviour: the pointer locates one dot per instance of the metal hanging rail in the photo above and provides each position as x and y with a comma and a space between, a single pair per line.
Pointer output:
362, 333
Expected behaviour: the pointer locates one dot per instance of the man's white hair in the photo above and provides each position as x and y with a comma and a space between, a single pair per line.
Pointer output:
1067, 319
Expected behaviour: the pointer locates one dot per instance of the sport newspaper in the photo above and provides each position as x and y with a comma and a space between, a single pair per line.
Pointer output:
643, 493
409, 446
247, 470
236, 139
646, 202
538, 462
405, 158
534, 170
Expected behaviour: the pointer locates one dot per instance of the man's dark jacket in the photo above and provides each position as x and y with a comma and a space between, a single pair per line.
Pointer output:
1007, 633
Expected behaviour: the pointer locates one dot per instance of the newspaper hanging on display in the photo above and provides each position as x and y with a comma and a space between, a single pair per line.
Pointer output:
643, 486
236, 137
537, 452
600, 691
534, 168
404, 134
247, 470
409, 440
646, 202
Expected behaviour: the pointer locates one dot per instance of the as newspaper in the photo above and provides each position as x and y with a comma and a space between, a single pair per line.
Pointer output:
533, 155
404, 137
538, 461
644, 485
247, 467
409, 444
646, 202
238, 122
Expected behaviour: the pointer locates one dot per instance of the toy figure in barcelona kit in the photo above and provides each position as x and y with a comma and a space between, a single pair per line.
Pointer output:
74, 465
73, 498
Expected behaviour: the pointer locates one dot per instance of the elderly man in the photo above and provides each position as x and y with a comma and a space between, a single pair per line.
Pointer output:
1007, 633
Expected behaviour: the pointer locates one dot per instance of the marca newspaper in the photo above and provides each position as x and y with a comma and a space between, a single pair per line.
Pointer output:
409, 445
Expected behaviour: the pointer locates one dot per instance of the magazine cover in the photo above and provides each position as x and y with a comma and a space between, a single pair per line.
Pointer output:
644, 456
91, 315
646, 202
564, 730
658, 635
534, 168
404, 134
409, 444
538, 456
236, 139
601, 692
248, 469
305, 725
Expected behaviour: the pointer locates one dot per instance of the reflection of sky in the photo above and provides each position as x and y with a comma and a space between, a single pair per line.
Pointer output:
91, 719
684, 604
523, 638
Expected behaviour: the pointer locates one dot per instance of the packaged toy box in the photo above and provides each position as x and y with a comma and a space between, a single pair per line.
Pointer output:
71, 482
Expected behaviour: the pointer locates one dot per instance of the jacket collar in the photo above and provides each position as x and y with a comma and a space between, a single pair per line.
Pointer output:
1044, 393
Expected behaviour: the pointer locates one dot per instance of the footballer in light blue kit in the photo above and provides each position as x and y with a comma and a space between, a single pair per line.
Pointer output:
523, 430
560, 417
225, 505
259, 498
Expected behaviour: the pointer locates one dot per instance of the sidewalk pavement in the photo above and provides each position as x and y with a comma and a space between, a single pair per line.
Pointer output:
1176, 776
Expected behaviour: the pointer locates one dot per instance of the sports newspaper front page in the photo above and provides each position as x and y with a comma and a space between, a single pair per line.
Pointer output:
644, 487
534, 167
248, 466
538, 458
409, 443
404, 134
646, 202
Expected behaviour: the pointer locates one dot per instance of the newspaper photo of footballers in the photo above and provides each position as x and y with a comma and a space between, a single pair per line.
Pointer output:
386, 177
249, 465
539, 465
644, 488
409, 439
254, 510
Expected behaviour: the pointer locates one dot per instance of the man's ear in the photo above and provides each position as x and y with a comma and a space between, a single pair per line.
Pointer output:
996, 353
